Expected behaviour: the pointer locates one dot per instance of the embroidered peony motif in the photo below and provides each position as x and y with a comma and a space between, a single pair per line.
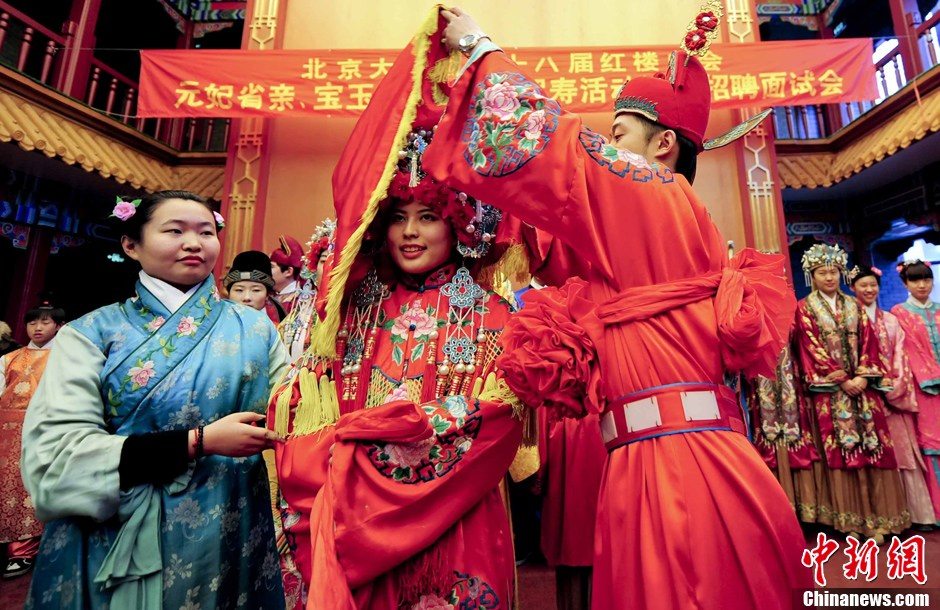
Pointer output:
408, 454
432, 602
187, 327
501, 100
399, 393
510, 122
415, 320
621, 162
156, 323
472, 593
414, 463
141, 374
21, 389
456, 406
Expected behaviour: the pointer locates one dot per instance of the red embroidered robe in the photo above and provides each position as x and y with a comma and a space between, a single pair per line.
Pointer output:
673, 511
397, 502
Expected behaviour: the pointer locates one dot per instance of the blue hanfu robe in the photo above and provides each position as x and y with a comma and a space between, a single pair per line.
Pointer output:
204, 541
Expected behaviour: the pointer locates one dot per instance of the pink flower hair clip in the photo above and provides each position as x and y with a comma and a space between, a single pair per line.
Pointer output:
219, 220
876, 271
124, 209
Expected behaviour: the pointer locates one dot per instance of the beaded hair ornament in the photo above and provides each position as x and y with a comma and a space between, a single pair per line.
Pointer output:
823, 255
856, 272
296, 326
905, 264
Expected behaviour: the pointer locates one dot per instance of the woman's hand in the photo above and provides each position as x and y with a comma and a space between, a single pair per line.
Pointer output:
459, 24
235, 436
851, 387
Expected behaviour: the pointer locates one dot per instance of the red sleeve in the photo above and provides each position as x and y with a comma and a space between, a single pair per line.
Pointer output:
504, 141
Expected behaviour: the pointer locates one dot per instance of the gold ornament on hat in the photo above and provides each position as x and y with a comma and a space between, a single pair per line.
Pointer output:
703, 30
823, 255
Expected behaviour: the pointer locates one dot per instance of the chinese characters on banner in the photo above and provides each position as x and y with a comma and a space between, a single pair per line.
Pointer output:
903, 559
340, 82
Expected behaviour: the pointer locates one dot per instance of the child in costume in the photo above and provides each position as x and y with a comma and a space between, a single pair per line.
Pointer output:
140, 448
20, 372
249, 282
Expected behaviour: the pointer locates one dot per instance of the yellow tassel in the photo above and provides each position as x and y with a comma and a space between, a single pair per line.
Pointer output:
497, 390
477, 387
324, 340
318, 407
282, 409
308, 406
329, 399
525, 464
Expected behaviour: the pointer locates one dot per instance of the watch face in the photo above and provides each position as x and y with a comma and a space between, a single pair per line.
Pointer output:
467, 40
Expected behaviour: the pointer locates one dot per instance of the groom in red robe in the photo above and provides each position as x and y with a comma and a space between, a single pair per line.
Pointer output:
688, 515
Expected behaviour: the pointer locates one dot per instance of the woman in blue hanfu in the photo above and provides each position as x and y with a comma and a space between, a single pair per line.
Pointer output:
141, 447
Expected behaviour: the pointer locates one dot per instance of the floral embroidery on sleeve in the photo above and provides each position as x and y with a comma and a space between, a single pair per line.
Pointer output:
456, 424
511, 121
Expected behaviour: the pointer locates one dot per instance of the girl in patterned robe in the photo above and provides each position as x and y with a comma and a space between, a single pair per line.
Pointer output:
860, 488
901, 398
20, 372
139, 448
919, 317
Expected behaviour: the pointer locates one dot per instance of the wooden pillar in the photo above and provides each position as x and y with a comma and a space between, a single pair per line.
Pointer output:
80, 29
764, 224
248, 164
29, 280
904, 13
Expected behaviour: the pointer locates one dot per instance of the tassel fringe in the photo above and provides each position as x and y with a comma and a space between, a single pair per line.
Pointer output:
318, 406
497, 390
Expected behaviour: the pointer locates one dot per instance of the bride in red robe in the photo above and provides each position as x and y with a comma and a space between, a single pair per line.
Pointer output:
399, 427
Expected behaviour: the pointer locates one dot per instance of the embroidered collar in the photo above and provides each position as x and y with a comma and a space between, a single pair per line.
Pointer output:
169, 296
912, 301
831, 301
434, 279
871, 310
289, 289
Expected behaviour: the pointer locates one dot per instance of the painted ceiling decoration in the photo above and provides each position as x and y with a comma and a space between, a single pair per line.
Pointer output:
202, 11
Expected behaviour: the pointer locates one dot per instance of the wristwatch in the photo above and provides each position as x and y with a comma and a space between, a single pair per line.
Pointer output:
468, 42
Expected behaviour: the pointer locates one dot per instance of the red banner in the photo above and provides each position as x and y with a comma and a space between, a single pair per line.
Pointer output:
340, 82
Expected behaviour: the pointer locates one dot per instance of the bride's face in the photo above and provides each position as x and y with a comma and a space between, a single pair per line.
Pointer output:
418, 239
